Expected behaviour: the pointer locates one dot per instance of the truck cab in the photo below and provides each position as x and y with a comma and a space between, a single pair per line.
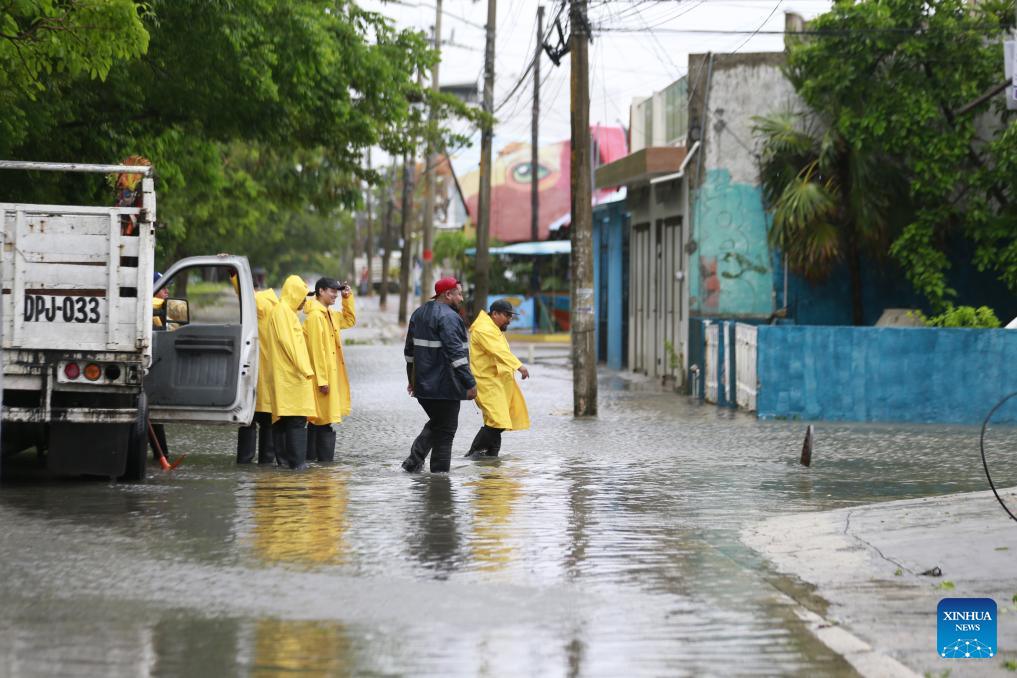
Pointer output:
90, 358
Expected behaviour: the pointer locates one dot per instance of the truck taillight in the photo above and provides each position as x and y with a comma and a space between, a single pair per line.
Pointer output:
71, 370
92, 371
112, 372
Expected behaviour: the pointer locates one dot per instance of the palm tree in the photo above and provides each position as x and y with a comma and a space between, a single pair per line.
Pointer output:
831, 203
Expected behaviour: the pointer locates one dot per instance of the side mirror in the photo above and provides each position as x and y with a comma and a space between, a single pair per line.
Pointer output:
178, 313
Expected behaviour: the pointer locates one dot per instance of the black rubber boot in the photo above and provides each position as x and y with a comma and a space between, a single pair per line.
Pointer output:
296, 447
312, 443
326, 443
279, 443
478, 445
266, 438
419, 450
495, 446
247, 440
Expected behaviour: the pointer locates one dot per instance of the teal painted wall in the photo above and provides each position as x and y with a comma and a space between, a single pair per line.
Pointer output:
730, 269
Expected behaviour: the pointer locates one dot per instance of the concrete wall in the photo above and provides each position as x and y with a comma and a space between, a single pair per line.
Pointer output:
730, 271
883, 374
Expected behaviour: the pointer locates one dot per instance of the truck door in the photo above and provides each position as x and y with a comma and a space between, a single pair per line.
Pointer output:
204, 343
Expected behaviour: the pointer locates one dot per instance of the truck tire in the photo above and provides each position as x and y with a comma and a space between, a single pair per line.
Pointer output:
137, 444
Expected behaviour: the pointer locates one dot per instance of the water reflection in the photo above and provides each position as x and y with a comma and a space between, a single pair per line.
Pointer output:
495, 495
435, 542
308, 647
301, 517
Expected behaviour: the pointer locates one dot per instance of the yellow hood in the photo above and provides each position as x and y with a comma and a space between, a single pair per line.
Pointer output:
294, 292
314, 306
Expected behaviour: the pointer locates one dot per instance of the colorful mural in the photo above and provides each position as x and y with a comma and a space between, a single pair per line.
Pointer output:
731, 274
511, 179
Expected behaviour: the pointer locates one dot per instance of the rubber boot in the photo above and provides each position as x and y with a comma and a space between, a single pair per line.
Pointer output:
312, 442
479, 444
495, 446
279, 443
296, 447
266, 439
247, 440
419, 450
326, 443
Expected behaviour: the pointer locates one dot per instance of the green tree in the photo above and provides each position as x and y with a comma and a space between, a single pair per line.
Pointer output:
255, 113
831, 203
891, 76
40, 38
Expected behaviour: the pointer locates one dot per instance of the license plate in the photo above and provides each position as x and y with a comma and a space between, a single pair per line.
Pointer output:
40, 308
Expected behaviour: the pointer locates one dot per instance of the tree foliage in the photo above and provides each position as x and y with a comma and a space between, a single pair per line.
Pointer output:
255, 114
831, 203
890, 77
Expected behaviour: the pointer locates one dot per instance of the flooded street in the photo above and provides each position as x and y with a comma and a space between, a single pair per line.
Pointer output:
590, 548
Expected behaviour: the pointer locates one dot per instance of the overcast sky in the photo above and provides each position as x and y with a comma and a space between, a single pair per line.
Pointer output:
639, 47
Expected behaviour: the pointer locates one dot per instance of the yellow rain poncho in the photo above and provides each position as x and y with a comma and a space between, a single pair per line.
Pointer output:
494, 367
291, 377
325, 347
265, 300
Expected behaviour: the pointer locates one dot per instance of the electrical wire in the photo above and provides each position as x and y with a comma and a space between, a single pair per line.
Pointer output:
981, 445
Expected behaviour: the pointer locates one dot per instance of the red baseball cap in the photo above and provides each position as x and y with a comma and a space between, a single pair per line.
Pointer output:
444, 285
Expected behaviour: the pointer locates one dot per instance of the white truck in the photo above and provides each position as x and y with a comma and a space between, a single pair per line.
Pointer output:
84, 373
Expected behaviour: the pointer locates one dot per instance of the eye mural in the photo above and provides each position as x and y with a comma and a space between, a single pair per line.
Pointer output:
512, 177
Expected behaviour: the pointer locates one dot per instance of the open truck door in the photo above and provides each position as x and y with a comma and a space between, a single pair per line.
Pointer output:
204, 343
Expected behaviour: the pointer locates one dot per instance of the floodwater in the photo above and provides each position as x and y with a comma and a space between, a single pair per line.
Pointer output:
591, 548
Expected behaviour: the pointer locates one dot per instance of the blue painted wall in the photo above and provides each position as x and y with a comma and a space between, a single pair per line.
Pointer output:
609, 282
730, 269
883, 374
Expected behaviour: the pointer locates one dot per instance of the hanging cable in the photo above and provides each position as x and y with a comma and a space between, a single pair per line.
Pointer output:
981, 445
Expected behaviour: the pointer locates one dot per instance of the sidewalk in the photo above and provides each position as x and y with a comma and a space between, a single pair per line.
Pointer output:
867, 563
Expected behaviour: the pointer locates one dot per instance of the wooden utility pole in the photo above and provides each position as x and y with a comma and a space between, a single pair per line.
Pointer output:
430, 167
483, 270
386, 236
534, 132
584, 358
405, 264
369, 240
535, 166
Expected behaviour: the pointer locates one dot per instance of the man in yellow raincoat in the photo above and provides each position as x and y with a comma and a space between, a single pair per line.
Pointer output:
260, 429
325, 347
291, 377
494, 367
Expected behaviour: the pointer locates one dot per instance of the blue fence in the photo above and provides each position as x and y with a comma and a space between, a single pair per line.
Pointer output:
883, 374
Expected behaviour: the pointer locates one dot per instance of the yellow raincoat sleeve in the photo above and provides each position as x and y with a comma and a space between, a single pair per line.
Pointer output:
318, 338
349, 313
497, 348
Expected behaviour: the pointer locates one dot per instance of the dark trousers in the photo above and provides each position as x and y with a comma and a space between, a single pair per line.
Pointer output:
293, 452
320, 443
486, 442
436, 436
259, 434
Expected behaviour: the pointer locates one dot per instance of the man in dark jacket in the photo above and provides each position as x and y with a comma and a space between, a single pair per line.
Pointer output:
437, 355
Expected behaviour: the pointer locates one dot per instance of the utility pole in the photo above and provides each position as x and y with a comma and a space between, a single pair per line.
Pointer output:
386, 236
584, 364
535, 166
368, 244
405, 264
430, 167
483, 276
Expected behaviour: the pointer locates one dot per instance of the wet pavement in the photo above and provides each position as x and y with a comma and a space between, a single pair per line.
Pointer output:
591, 548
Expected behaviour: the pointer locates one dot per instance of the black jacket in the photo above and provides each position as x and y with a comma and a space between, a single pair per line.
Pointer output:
437, 353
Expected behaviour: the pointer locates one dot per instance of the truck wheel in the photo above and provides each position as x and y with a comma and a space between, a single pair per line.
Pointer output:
137, 444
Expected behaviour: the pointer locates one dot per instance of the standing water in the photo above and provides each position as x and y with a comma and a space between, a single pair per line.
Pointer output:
595, 547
